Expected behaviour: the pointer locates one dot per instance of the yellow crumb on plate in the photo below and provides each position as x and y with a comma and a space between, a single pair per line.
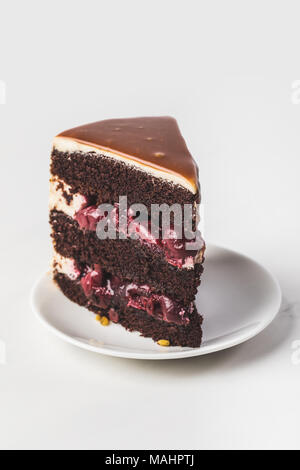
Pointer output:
163, 342
104, 321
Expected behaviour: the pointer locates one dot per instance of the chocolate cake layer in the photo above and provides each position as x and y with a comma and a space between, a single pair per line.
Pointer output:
104, 179
128, 259
137, 320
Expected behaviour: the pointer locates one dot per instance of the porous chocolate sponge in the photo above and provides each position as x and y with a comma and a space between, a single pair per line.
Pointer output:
137, 320
128, 259
105, 182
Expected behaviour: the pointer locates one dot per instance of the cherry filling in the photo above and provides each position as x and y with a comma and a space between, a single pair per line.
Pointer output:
105, 290
172, 245
88, 217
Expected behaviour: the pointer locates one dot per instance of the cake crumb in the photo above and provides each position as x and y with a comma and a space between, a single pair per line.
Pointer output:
104, 321
163, 342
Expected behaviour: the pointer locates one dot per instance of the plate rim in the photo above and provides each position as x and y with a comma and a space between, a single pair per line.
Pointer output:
166, 354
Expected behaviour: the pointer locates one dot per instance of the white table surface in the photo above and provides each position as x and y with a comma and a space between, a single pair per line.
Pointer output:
225, 71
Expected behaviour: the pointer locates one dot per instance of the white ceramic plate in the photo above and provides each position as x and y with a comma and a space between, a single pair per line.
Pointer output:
237, 297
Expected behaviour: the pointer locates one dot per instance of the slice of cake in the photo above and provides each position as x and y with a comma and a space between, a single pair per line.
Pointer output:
124, 212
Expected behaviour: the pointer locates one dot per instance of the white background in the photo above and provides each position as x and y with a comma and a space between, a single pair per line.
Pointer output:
225, 71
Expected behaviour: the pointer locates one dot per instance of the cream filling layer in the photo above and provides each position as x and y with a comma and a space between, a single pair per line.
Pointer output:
65, 144
65, 266
58, 201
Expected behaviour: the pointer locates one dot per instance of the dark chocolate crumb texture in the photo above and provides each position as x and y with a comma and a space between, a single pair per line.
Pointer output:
144, 282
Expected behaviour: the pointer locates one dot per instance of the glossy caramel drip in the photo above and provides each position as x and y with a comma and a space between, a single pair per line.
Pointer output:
154, 142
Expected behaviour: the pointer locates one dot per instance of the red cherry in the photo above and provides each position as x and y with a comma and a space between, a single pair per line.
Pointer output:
88, 218
92, 280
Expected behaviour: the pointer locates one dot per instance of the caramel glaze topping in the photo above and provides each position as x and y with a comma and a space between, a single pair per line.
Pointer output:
154, 142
